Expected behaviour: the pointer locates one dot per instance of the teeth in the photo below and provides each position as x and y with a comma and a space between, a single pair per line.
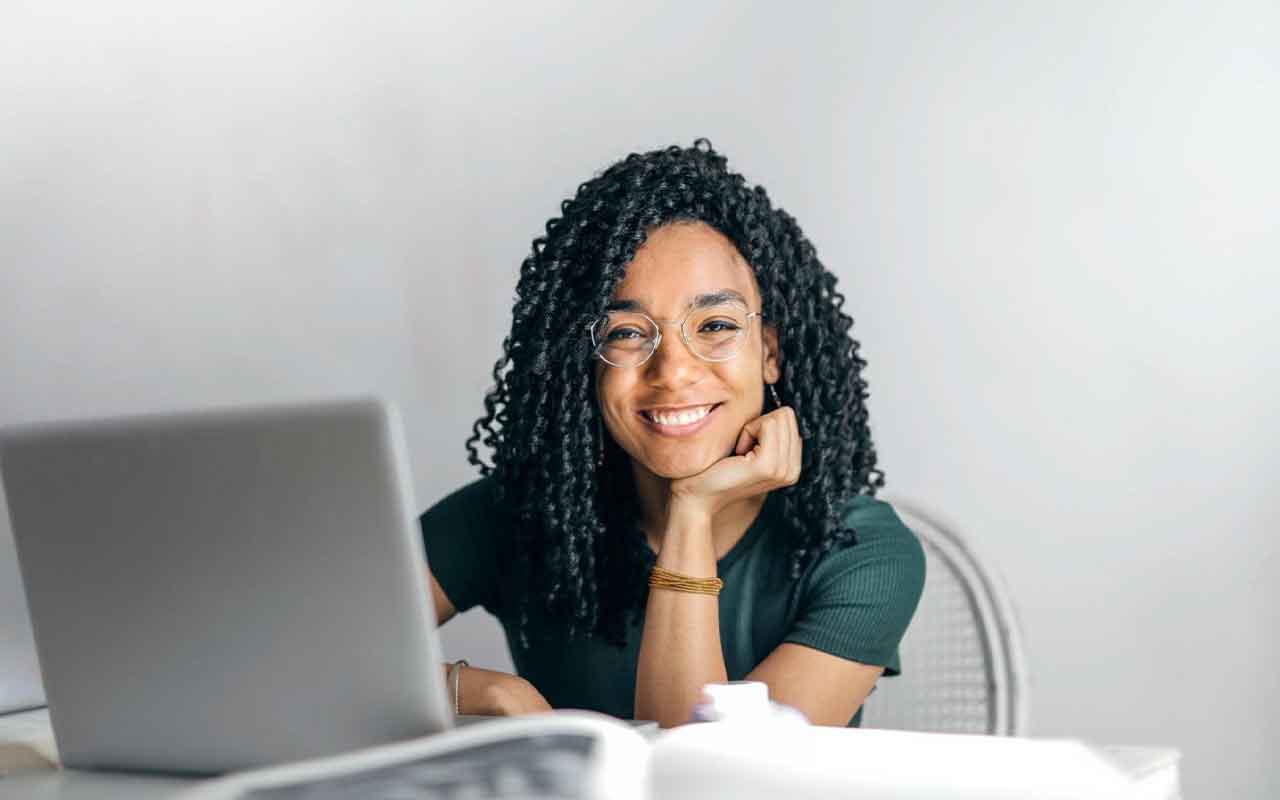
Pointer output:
685, 417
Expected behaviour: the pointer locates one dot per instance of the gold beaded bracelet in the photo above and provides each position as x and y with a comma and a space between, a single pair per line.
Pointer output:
666, 579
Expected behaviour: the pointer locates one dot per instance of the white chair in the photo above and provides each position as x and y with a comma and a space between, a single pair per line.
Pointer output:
962, 657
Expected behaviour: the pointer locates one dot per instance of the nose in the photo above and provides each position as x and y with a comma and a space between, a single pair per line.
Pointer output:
672, 366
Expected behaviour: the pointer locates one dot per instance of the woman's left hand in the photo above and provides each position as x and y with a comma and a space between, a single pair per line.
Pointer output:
492, 693
767, 456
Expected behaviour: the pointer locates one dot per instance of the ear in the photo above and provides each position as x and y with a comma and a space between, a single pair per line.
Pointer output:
772, 355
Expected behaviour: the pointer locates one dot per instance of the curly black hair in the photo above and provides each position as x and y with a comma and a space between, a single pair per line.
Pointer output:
577, 557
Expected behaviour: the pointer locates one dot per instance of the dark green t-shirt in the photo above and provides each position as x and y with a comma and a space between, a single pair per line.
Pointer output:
853, 602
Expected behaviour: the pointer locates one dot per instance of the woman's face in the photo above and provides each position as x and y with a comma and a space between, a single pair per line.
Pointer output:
652, 410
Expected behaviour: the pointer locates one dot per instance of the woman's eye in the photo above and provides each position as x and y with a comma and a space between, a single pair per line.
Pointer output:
623, 334
718, 326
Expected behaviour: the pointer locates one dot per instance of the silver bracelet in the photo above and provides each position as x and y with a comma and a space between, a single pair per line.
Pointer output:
455, 677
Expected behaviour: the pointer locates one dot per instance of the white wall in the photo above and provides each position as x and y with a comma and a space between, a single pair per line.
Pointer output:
1055, 223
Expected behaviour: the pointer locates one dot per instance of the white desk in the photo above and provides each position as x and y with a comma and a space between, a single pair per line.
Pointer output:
29, 757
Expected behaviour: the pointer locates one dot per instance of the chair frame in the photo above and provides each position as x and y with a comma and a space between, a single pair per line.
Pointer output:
996, 617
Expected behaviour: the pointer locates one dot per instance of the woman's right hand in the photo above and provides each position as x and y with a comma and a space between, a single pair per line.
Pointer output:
498, 694
767, 456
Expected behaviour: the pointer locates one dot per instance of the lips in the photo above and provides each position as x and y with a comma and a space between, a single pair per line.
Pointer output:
686, 415
679, 421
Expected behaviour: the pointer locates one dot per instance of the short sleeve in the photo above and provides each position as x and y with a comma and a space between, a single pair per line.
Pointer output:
459, 535
856, 602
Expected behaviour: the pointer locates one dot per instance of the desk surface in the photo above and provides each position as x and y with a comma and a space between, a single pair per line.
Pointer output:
28, 769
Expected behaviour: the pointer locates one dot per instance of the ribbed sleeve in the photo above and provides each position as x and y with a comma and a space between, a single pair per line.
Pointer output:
856, 602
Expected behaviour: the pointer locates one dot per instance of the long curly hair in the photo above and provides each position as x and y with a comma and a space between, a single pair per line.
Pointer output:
576, 558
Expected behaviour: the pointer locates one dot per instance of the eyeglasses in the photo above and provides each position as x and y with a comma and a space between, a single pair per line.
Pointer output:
712, 333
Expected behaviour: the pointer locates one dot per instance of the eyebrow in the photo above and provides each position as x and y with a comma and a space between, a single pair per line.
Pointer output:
701, 301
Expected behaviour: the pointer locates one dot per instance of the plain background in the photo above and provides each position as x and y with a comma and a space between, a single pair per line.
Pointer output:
1056, 225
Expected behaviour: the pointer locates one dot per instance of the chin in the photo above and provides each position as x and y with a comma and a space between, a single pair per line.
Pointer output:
683, 465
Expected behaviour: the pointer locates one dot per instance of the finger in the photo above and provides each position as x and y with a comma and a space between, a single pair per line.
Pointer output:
749, 437
788, 454
783, 465
797, 450
783, 435
772, 444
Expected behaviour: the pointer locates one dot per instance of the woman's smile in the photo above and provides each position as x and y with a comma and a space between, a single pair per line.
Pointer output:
678, 420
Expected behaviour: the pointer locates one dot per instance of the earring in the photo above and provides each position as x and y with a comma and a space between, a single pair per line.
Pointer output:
776, 402
600, 441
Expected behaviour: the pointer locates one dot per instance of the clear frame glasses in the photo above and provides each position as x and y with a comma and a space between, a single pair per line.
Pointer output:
712, 333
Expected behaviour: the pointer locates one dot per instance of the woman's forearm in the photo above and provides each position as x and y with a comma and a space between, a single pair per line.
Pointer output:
680, 645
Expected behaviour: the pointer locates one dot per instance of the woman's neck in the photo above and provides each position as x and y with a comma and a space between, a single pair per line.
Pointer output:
727, 527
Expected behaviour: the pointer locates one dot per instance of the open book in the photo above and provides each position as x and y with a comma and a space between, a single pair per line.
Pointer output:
585, 755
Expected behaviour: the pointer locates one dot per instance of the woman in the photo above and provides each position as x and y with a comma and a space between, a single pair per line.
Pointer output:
682, 480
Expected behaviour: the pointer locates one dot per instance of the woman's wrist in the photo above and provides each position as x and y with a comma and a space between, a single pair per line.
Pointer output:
688, 517
453, 680
690, 506
486, 692
463, 702
687, 546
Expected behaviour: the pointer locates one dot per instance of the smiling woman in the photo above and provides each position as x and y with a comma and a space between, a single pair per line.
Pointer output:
637, 467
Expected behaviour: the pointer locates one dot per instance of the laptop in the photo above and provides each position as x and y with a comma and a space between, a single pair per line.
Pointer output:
20, 688
217, 590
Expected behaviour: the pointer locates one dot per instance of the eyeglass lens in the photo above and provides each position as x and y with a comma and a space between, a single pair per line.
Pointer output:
625, 338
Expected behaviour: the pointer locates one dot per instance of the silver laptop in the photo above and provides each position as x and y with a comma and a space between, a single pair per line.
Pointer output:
224, 589
20, 687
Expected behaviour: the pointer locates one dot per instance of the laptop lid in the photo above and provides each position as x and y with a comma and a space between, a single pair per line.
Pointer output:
223, 589
20, 687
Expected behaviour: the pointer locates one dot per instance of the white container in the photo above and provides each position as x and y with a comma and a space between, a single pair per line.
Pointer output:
743, 701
